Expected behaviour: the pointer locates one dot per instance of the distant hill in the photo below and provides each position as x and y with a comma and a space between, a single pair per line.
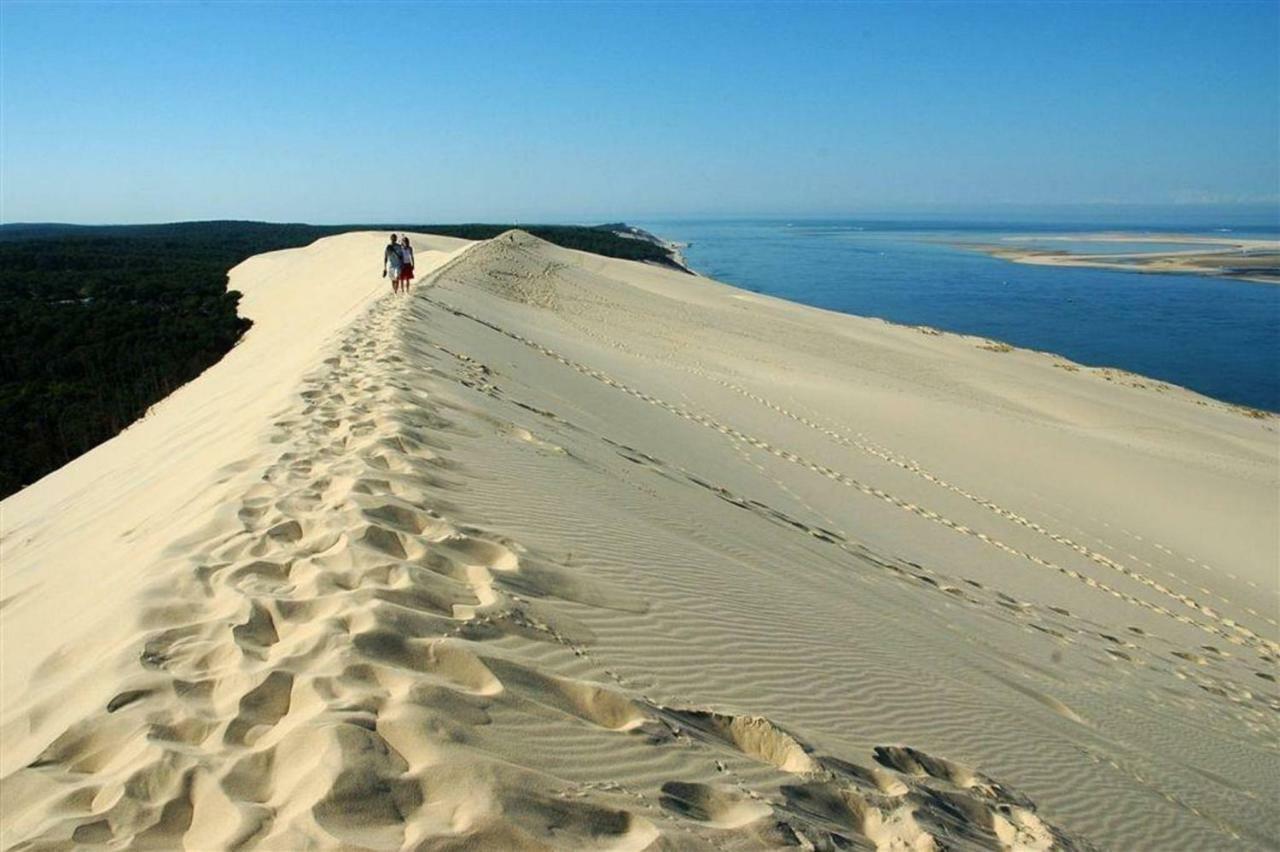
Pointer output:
631, 232
99, 322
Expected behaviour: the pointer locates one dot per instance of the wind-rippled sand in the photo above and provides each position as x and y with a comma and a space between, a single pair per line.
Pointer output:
564, 552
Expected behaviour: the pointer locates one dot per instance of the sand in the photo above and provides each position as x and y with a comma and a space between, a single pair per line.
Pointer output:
1243, 259
565, 552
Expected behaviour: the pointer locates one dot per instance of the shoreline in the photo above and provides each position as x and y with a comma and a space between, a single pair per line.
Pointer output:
1106, 372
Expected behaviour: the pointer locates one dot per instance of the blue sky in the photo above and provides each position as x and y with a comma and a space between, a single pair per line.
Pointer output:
332, 112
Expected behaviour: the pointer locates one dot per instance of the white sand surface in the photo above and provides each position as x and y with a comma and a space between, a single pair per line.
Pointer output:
565, 552
1223, 256
1223, 241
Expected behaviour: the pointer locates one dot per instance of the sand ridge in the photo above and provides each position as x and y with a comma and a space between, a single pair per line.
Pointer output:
550, 556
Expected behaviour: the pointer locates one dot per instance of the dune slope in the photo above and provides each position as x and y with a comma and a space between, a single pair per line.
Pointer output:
564, 552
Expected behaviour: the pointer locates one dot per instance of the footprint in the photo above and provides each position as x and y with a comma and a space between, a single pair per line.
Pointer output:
872, 777
399, 518
841, 812
959, 801
910, 761
590, 702
716, 805
475, 551
259, 575
261, 708
124, 699
754, 736
258, 632
384, 541
454, 665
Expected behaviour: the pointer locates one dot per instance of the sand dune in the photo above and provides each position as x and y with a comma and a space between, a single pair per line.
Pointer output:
565, 552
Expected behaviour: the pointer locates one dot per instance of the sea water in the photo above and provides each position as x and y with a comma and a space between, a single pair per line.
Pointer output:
1218, 336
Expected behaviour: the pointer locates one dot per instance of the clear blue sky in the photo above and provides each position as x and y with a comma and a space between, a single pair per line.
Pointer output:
329, 112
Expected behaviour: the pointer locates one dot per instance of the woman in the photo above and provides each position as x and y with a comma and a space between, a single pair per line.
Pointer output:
406, 263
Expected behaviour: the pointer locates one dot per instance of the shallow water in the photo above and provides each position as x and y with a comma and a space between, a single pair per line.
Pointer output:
1217, 336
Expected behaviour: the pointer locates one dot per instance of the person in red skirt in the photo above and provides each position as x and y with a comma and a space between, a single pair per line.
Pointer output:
406, 264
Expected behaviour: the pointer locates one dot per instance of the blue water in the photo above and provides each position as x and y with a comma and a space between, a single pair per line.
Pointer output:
1216, 336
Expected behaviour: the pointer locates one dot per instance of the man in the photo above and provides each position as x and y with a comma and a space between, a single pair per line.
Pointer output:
392, 259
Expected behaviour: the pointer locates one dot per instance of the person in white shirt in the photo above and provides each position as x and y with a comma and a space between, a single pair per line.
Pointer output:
406, 263
392, 261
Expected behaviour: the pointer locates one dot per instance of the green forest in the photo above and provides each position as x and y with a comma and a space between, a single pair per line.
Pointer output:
101, 322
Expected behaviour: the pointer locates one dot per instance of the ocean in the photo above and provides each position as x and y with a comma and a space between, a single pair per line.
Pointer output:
1217, 336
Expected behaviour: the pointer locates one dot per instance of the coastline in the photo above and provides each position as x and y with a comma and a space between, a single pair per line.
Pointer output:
622, 554
1106, 372
673, 249
918, 273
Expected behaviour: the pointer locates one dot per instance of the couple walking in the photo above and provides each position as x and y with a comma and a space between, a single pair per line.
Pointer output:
397, 264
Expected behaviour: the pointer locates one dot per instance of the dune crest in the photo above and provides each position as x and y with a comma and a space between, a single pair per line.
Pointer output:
572, 553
